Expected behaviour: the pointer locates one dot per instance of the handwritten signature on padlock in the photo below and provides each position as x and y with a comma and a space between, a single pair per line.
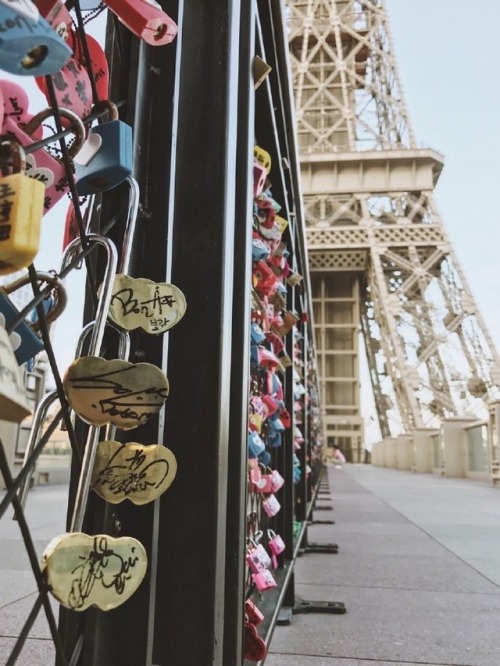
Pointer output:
101, 564
133, 476
122, 405
149, 308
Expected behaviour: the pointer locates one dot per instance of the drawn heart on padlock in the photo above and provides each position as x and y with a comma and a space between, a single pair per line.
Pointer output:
255, 648
72, 88
83, 570
118, 392
141, 303
132, 471
41, 174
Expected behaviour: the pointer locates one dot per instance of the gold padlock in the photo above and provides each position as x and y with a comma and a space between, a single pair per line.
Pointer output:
21, 210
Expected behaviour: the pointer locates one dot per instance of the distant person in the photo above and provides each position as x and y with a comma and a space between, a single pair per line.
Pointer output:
338, 456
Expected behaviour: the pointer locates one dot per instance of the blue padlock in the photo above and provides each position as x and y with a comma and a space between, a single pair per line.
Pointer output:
30, 342
28, 44
112, 163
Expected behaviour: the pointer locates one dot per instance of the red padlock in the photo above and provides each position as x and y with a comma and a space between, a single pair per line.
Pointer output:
72, 88
146, 19
255, 648
55, 13
98, 62
252, 613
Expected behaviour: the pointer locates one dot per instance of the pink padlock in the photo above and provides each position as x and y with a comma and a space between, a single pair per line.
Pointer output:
40, 164
276, 546
15, 102
277, 481
264, 485
257, 558
146, 19
264, 580
259, 178
72, 88
271, 505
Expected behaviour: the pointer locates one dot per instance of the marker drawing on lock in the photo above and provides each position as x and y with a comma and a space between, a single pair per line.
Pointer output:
117, 392
132, 471
141, 303
84, 570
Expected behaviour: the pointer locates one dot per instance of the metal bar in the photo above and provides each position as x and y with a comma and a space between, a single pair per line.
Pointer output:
192, 535
12, 490
240, 371
33, 558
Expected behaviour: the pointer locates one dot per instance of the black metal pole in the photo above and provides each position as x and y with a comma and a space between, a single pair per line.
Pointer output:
190, 587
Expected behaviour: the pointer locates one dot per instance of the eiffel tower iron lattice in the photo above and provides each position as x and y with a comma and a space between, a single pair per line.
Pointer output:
380, 256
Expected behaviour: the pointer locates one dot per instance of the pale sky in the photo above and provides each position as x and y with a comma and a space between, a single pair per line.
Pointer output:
447, 52
448, 64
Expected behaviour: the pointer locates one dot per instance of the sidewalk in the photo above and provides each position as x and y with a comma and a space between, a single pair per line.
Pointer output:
46, 515
418, 569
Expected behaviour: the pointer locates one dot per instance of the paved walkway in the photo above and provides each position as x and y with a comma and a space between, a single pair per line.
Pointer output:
418, 569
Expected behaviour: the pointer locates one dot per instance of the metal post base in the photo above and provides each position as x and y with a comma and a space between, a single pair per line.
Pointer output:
304, 606
321, 548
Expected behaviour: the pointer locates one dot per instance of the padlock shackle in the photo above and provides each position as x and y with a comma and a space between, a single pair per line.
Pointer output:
17, 153
130, 224
107, 291
59, 289
123, 341
106, 105
75, 121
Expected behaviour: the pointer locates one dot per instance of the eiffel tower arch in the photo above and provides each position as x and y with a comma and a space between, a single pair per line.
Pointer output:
381, 259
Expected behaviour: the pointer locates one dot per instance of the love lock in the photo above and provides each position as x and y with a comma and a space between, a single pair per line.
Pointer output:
21, 210
41, 165
146, 19
112, 163
30, 343
28, 44
14, 404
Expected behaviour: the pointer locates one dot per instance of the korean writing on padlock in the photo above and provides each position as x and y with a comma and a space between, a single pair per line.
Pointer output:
21, 211
40, 165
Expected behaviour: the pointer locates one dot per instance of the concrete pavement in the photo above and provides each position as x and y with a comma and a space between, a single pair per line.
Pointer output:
418, 569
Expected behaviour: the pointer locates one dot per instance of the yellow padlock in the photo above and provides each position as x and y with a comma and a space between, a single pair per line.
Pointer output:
262, 157
21, 210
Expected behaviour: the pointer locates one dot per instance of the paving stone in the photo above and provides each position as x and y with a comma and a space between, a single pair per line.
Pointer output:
35, 652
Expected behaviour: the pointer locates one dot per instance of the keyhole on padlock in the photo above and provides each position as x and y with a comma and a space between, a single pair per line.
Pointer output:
34, 57
161, 31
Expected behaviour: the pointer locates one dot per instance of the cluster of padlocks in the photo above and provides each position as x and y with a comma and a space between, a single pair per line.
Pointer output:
272, 324
40, 39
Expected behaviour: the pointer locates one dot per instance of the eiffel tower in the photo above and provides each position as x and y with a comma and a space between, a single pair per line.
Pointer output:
380, 257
